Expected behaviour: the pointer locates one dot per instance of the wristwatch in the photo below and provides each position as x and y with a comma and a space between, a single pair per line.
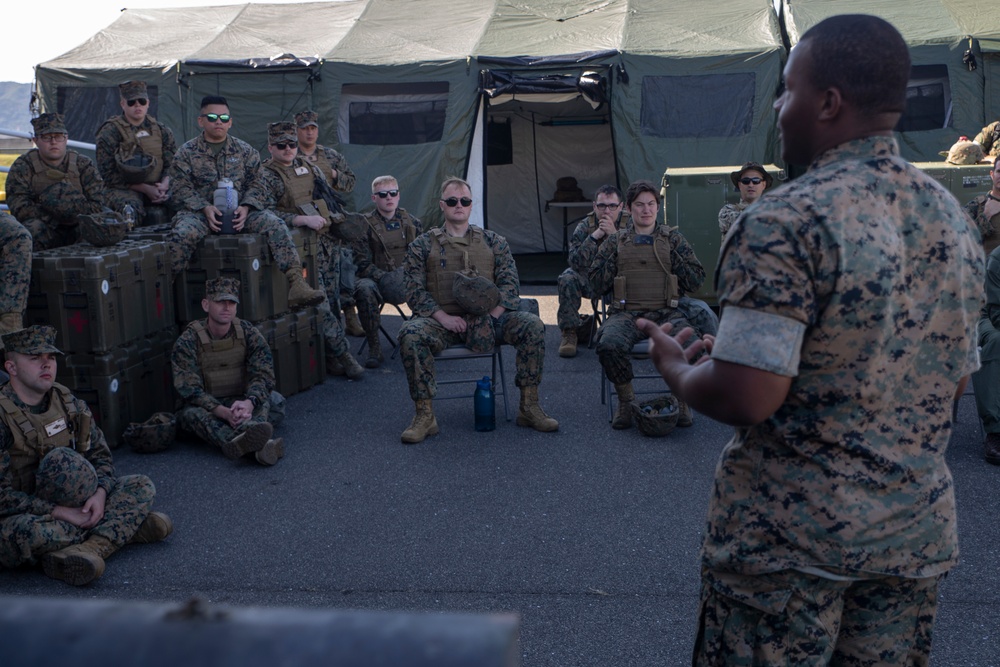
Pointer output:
252, 399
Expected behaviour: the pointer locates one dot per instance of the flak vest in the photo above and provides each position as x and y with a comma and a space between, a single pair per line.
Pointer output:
223, 361
298, 180
448, 256
42, 175
391, 248
35, 435
318, 158
150, 143
650, 283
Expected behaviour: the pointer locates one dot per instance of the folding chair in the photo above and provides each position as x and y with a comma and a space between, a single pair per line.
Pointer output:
459, 352
388, 337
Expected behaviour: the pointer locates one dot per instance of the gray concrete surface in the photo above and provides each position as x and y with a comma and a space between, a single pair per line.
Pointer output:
590, 534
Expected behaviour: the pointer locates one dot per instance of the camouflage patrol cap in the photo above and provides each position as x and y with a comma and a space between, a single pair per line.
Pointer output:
223, 289
153, 435
751, 166
36, 339
656, 417
963, 152
65, 478
390, 286
474, 293
49, 123
103, 229
281, 131
133, 90
306, 118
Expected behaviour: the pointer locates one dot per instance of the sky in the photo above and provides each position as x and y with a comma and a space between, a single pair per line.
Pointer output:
32, 36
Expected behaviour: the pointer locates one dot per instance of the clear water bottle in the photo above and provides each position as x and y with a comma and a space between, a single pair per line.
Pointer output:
128, 213
484, 404
224, 199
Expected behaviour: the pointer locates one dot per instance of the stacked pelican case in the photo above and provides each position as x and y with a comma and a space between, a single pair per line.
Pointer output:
117, 316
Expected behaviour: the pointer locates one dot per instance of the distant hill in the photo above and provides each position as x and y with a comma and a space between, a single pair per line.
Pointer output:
14, 112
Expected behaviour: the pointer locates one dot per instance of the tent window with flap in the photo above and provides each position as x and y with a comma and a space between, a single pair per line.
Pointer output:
392, 114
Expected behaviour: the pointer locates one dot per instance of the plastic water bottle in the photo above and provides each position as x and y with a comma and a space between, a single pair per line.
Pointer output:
485, 405
224, 199
129, 214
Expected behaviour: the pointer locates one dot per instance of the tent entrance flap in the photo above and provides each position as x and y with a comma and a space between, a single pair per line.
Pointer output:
541, 131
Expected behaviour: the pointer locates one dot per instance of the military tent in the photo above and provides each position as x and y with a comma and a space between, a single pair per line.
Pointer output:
513, 95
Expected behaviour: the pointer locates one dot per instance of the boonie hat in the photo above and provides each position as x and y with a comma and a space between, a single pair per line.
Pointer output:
751, 166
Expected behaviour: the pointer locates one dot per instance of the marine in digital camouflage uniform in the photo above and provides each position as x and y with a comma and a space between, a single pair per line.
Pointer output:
288, 186
432, 260
224, 373
989, 139
136, 135
985, 211
749, 193
849, 297
573, 285
669, 270
389, 231
67, 511
339, 175
15, 272
198, 167
49, 186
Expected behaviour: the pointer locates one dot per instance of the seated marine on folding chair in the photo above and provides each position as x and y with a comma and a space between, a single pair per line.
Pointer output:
572, 284
379, 257
480, 313
648, 267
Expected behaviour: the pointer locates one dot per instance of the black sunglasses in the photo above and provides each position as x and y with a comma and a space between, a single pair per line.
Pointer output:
290, 144
141, 101
605, 207
746, 180
212, 117
382, 194
451, 202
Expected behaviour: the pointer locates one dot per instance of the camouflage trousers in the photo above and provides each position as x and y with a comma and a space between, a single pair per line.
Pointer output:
369, 301
190, 228
47, 233
328, 275
986, 381
348, 277
572, 288
793, 618
421, 338
118, 199
26, 537
619, 333
15, 264
213, 430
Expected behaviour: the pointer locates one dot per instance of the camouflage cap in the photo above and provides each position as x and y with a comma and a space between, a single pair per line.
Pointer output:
306, 118
65, 478
133, 90
963, 152
36, 339
281, 131
751, 166
49, 123
223, 289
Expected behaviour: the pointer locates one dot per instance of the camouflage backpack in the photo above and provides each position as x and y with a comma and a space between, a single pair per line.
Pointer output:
475, 294
656, 417
153, 435
103, 229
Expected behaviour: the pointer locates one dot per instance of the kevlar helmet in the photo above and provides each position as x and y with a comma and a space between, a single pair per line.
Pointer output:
475, 294
963, 152
103, 229
656, 417
391, 287
136, 167
65, 478
153, 435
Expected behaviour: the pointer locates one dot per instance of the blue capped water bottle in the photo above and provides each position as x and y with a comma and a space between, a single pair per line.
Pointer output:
484, 405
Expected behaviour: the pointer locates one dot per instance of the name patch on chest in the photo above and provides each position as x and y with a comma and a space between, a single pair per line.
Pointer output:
53, 428
301, 171
141, 133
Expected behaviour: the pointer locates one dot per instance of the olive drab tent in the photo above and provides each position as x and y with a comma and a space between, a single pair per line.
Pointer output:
515, 96
954, 47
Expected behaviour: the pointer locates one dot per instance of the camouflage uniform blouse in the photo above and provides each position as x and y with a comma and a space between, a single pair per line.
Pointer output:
365, 249
987, 230
24, 203
861, 280
17, 502
989, 139
728, 215
196, 172
345, 177
108, 141
415, 273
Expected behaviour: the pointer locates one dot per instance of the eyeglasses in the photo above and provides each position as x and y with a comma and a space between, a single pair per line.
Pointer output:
382, 194
452, 202
213, 117
747, 180
52, 138
285, 145
141, 101
605, 207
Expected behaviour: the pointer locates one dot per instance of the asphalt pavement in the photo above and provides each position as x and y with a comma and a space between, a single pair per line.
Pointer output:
591, 535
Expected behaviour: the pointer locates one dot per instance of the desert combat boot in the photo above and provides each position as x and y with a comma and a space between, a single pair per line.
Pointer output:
300, 295
154, 528
623, 417
567, 346
352, 323
375, 357
530, 413
424, 423
80, 564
